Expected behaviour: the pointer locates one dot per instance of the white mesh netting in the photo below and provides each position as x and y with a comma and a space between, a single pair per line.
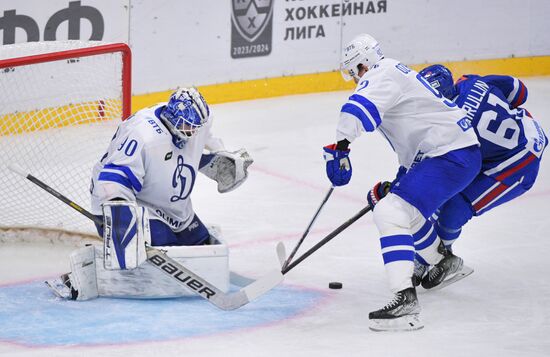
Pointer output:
56, 120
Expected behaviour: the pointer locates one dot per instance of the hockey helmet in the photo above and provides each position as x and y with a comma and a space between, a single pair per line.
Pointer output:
440, 78
362, 50
185, 112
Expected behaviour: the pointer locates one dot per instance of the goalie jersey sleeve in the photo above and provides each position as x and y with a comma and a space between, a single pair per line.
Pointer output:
123, 169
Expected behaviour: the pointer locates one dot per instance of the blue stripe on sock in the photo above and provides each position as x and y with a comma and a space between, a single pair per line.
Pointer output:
428, 242
422, 231
399, 239
398, 255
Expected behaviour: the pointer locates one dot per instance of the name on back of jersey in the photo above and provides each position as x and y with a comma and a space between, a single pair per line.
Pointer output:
474, 99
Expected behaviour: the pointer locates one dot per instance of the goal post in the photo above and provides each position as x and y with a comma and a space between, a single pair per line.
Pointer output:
60, 104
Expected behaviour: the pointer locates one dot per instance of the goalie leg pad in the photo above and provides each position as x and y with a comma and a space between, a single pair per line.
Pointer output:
228, 169
146, 281
126, 231
83, 273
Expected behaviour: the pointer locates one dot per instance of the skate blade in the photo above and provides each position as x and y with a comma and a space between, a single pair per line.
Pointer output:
461, 274
403, 323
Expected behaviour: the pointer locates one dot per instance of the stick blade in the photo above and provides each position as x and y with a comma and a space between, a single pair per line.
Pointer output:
263, 285
18, 169
281, 253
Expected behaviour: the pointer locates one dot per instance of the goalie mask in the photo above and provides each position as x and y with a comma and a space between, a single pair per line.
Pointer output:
440, 78
363, 50
184, 114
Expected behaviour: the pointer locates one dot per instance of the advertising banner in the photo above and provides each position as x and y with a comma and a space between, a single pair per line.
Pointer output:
186, 42
39, 20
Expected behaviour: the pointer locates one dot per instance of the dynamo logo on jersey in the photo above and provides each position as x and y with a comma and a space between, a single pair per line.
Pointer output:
183, 180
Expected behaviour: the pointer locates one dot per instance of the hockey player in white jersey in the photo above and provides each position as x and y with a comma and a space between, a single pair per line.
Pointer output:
439, 154
142, 187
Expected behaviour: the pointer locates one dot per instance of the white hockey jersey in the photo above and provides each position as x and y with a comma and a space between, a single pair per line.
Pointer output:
142, 164
416, 120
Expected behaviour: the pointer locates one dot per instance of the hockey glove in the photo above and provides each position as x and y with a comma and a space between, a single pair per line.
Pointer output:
379, 191
338, 165
228, 169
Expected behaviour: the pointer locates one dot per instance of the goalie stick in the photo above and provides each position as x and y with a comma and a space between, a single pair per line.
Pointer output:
178, 272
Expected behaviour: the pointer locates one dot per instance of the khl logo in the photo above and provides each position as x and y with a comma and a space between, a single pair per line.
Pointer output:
73, 14
251, 28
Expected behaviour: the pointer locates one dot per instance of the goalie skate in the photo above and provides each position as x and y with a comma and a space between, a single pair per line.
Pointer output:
61, 287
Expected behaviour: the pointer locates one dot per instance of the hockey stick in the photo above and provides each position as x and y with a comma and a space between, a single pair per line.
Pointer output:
178, 272
325, 240
289, 259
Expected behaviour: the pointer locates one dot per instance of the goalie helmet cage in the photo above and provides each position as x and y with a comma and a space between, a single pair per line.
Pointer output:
60, 103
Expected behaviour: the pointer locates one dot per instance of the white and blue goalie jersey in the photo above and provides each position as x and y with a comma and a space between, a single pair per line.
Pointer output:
142, 164
416, 120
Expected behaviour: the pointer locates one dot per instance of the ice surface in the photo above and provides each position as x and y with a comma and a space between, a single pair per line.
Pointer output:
503, 309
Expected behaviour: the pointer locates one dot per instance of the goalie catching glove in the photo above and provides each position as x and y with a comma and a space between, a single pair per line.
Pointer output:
228, 169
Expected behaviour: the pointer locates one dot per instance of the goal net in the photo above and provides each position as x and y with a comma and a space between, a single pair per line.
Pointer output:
60, 103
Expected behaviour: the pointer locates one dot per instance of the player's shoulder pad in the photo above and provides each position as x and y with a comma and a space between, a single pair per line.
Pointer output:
467, 77
384, 70
463, 81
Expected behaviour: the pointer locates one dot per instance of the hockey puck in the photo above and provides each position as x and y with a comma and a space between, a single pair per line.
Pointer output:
335, 285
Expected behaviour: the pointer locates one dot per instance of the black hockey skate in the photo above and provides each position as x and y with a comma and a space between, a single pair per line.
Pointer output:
444, 270
419, 272
400, 314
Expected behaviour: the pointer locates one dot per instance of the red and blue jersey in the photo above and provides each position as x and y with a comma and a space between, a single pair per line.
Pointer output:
510, 138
